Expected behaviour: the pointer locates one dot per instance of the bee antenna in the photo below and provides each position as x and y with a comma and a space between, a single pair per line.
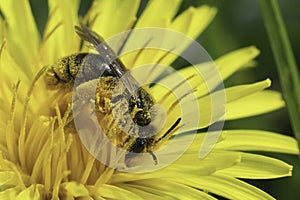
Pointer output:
169, 130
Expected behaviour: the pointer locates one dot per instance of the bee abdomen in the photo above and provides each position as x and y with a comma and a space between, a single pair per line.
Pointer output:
82, 66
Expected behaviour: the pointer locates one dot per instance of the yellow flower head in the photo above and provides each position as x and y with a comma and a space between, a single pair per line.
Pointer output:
52, 144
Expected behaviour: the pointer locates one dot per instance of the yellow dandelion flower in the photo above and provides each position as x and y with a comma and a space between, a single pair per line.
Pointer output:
44, 155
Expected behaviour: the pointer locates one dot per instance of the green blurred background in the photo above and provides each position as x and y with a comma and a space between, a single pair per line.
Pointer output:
238, 24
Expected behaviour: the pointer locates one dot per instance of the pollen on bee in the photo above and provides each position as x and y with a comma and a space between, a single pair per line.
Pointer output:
123, 109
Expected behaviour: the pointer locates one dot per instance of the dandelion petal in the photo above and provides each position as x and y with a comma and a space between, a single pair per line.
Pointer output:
258, 167
258, 140
249, 106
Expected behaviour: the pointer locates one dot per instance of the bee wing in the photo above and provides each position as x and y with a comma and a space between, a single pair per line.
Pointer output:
109, 57
102, 47
88, 35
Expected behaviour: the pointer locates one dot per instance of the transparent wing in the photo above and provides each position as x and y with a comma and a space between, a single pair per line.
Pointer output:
109, 57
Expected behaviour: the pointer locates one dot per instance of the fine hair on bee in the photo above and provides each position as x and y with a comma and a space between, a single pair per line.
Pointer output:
131, 103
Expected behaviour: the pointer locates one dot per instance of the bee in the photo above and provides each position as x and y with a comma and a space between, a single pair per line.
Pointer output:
130, 104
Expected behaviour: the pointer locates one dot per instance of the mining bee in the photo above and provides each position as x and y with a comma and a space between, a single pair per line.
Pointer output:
129, 101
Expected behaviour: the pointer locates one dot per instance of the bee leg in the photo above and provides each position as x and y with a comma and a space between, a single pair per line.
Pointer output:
129, 155
153, 157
